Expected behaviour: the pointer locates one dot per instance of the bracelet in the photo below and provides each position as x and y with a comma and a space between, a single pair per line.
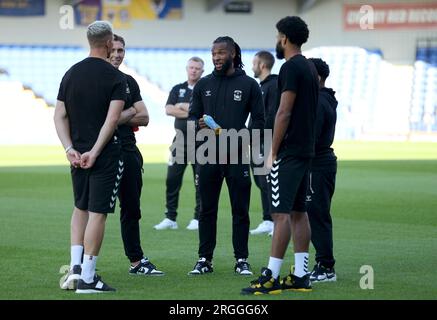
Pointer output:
68, 148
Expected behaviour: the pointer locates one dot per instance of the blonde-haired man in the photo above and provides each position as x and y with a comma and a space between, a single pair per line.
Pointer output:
86, 125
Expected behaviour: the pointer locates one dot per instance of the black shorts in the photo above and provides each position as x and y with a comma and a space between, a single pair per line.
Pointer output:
96, 189
288, 184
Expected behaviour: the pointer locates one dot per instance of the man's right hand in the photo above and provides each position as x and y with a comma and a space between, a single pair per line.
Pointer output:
183, 106
202, 124
131, 112
73, 157
270, 161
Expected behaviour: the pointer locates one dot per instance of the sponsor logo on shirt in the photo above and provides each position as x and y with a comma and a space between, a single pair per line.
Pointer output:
208, 93
237, 95
182, 93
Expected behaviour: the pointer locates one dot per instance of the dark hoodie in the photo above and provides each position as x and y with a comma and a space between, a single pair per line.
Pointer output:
229, 100
269, 89
326, 119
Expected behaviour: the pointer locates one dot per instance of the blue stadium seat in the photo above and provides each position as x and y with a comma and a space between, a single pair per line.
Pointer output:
424, 94
354, 71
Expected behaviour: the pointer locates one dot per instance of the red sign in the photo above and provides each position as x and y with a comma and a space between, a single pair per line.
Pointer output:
390, 16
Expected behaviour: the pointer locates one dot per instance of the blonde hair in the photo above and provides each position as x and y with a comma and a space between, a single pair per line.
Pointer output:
196, 59
98, 33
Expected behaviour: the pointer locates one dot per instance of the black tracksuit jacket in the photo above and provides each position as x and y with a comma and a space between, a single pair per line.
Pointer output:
229, 100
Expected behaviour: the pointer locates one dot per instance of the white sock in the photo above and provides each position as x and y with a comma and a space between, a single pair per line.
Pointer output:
275, 265
301, 264
88, 268
76, 255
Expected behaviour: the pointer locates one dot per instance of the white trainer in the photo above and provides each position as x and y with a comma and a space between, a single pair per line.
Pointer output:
264, 227
166, 224
193, 225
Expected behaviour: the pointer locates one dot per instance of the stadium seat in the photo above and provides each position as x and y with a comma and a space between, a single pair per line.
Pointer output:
424, 98
354, 73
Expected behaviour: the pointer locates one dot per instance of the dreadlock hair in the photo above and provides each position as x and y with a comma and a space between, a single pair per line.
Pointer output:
230, 43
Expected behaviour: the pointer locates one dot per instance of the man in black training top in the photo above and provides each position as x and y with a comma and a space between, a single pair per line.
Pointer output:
292, 150
229, 96
91, 97
322, 180
177, 106
262, 67
135, 114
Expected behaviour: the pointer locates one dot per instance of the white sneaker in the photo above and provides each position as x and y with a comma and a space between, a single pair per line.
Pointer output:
264, 227
193, 225
166, 224
243, 267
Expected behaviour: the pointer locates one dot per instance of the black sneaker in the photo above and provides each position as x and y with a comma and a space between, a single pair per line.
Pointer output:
294, 283
145, 268
265, 284
243, 267
97, 286
202, 266
70, 279
322, 274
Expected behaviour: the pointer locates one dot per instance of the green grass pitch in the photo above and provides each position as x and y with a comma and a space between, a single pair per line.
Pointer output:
384, 212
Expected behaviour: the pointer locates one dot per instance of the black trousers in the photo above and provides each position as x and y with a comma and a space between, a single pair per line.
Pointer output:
130, 212
321, 190
210, 182
175, 174
261, 183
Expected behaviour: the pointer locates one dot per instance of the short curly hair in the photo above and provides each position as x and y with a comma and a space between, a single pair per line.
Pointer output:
294, 28
321, 66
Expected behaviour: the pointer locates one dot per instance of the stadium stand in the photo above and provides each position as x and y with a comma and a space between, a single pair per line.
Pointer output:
39, 67
24, 117
423, 113
368, 88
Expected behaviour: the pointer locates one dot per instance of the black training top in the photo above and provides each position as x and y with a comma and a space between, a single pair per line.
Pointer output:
325, 158
87, 89
229, 100
126, 132
300, 76
180, 93
269, 89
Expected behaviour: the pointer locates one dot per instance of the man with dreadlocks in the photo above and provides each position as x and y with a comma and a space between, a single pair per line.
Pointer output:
229, 96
